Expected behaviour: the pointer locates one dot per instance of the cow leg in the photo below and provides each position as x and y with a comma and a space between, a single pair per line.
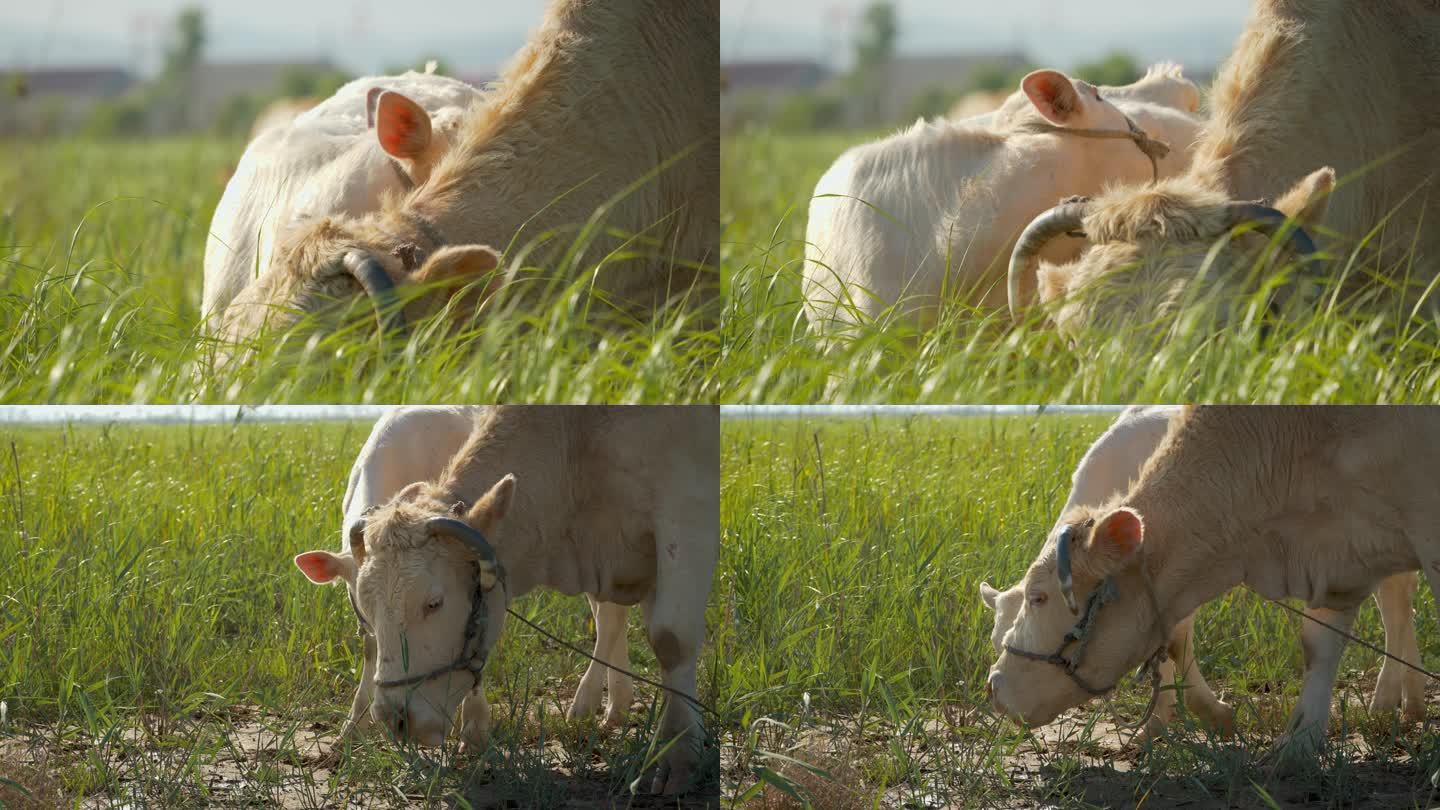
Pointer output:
359, 718
1396, 599
1309, 722
675, 623
622, 690
1212, 712
592, 683
610, 646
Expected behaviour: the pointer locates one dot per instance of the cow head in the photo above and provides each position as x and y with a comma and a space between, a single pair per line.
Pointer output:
1163, 84
1147, 244
1124, 631
334, 260
416, 566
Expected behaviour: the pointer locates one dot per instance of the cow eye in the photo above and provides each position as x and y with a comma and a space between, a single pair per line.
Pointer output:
434, 605
1038, 599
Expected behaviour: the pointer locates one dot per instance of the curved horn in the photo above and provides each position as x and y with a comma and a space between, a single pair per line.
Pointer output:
1268, 220
356, 533
1062, 568
377, 284
465, 533
1063, 218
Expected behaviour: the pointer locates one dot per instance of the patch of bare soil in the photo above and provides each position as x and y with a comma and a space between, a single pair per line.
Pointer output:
259, 759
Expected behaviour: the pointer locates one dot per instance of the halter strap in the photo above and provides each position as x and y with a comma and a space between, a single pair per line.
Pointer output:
1151, 147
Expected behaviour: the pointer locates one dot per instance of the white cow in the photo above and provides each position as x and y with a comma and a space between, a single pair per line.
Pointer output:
338, 158
1316, 503
621, 504
930, 214
415, 443
1108, 469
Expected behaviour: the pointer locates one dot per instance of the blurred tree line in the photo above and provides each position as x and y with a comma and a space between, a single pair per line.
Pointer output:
162, 105
859, 93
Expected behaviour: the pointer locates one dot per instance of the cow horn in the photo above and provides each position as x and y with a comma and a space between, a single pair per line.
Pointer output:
1062, 568
1063, 218
473, 540
372, 277
1267, 221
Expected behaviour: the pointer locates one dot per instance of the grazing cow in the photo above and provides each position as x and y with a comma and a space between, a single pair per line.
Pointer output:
415, 443
1108, 468
1311, 89
928, 215
621, 504
1319, 503
339, 158
605, 124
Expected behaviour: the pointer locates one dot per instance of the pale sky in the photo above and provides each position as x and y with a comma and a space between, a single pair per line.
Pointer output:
1052, 32
474, 35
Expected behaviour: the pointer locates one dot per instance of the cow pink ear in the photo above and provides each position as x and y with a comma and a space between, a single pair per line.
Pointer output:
401, 125
1053, 95
321, 567
1118, 535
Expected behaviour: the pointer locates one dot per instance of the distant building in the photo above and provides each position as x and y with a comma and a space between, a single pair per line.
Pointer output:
213, 84
760, 87
50, 99
908, 76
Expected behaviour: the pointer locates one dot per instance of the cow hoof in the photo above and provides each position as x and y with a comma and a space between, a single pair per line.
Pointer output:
586, 704
1293, 753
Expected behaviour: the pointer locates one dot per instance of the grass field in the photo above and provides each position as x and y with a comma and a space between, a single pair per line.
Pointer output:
158, 647
853, 549
101, 267
1358, 347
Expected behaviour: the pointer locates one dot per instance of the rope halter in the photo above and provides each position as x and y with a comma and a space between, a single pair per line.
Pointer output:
472, 656
1080, 634
1151, 147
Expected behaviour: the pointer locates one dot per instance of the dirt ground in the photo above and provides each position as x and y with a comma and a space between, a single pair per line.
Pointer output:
263, 760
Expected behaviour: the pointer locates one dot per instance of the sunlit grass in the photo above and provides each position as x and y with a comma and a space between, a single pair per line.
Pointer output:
1357, 347
102, 251
150, 613
854, 549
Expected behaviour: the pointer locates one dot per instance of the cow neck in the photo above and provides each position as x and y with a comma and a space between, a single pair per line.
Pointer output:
1189, 556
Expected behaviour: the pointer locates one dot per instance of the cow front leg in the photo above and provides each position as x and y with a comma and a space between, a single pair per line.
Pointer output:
675, 626
1213, 713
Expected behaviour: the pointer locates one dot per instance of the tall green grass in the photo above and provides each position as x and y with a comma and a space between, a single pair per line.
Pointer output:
854, 549
1361, 347
101, 268
150, 613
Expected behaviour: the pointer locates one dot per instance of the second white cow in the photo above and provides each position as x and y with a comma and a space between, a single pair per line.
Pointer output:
929, 215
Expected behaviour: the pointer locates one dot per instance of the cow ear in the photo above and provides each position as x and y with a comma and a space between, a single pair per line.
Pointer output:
322, 567
492, 506
1116, 537
1053, 95
988, 595
1309, 199
458, 263
401, 125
